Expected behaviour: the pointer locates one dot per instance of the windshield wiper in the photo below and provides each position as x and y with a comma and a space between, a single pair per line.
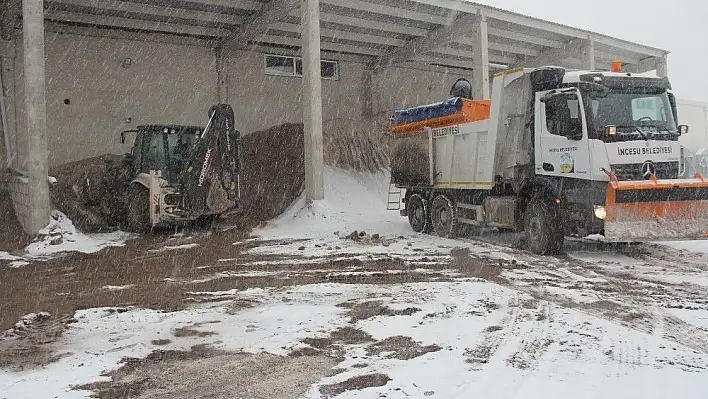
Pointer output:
635, 128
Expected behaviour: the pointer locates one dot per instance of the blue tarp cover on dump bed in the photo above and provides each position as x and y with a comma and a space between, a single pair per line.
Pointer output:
423, 112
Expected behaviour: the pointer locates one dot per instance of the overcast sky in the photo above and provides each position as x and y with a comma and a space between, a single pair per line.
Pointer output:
679, 26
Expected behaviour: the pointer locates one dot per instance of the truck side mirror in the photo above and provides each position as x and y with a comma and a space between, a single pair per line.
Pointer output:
683, 129
122, 137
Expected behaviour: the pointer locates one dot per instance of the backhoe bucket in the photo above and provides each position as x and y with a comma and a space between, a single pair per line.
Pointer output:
656, 210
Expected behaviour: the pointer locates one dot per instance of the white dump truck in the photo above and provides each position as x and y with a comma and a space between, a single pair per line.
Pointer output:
555, 153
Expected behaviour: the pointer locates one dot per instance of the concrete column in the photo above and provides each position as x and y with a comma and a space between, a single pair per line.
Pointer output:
368, 92
312, 100
588, 55
661, 67
36, 105
222, 73
480, 89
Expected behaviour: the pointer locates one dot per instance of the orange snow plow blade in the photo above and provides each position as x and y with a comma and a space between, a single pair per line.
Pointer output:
657, 210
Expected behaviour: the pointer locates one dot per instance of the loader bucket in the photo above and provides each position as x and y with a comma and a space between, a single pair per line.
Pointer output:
656, 210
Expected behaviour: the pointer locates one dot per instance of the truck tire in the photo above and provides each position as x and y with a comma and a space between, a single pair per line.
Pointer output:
443, 217
543, 229
138, 212
418, 214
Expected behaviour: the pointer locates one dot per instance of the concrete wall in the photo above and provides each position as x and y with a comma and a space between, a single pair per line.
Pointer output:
19, 194
261, 101
92, 97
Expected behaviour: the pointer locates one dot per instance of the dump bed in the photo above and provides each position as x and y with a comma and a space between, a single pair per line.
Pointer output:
462, 143
454, 156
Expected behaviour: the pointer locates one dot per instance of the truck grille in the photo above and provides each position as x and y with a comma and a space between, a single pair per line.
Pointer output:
633, 171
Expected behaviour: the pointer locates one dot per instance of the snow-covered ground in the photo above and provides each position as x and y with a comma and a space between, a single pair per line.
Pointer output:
598, 322
493, 341
60, 237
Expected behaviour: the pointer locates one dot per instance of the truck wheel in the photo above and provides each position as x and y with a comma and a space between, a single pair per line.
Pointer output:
418, 215
442, 214
138, 214
542, 228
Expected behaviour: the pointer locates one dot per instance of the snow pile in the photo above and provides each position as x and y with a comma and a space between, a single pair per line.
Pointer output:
60, 235
353, 201
24, 323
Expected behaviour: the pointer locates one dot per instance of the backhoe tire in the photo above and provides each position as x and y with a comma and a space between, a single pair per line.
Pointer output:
444, 217
418, 214
542, 227
138, 212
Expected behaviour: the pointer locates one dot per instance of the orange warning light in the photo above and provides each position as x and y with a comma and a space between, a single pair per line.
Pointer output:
616, 66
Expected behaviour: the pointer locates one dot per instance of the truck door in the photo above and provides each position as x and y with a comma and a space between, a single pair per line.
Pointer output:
562, 145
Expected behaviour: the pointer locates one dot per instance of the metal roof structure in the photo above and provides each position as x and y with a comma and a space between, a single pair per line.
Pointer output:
432, 31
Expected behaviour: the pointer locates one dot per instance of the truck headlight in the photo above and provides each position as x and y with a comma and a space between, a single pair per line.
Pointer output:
600, 212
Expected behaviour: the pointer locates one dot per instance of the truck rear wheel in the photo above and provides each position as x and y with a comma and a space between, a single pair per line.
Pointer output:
138, 214
442, 215
542, 228
418, 215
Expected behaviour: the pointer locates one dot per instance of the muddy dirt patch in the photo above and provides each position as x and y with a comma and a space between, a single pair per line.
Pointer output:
367, 310
29, 343
207, 372
333, 344
400, 347
190, 332
472, 266
355, 384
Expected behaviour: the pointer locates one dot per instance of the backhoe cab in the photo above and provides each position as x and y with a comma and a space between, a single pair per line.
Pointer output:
183, 173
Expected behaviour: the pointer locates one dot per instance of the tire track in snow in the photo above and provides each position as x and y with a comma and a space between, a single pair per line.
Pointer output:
639, 298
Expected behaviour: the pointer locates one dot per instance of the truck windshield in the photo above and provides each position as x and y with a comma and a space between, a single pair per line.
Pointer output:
639, 114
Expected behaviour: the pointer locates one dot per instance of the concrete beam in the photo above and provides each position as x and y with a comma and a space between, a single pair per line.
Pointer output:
112, 33
389, 11
501, 47
371, 25
447, 62
344, 35
312, 100
588, 55
662, 68
120, 22
116, 6
524, 38
250, 5
480, 44
334, 47
439, 37
259, 23
36, 107
571, 49
222, 75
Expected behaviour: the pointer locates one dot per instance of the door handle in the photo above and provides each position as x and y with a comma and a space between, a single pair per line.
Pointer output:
548, 167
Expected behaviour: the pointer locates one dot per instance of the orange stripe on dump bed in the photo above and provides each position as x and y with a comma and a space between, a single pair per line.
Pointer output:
472, 111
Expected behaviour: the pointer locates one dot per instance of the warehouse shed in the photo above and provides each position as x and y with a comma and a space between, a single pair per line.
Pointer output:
75, 73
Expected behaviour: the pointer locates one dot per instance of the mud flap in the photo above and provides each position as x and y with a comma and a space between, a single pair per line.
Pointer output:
656, 210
